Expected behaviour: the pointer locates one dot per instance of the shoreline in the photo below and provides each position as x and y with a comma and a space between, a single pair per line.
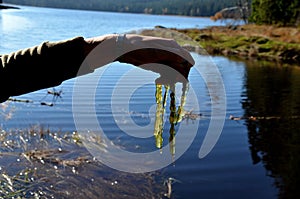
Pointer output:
3, 7
257, 42
245, 42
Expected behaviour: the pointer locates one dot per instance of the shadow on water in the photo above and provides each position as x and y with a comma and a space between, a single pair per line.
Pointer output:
272, 96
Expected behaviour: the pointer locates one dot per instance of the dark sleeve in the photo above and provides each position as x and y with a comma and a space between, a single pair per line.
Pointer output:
39, 67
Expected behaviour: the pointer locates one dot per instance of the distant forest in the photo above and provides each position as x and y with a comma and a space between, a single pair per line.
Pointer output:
160, 7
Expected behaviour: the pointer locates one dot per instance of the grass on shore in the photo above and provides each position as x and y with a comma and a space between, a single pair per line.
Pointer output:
250, 41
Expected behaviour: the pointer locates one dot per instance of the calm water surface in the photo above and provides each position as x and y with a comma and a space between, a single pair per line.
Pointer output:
255, 157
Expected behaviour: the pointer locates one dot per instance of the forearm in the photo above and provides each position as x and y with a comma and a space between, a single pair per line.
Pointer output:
43, 66
51, 63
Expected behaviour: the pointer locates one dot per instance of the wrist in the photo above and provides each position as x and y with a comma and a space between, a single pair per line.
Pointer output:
100, 51
93, 42
120, 40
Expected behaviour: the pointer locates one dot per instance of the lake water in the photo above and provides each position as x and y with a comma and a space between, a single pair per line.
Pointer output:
256, 156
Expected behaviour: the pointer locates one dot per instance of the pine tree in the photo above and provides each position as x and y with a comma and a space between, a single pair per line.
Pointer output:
279, 12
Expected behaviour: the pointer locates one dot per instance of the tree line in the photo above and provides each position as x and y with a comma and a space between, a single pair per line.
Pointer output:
270, 12
279, 12
166, 7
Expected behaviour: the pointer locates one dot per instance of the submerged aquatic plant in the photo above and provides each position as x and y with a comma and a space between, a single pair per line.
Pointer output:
177, 114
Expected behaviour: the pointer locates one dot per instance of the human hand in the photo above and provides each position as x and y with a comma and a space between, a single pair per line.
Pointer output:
152, 52
149, 53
